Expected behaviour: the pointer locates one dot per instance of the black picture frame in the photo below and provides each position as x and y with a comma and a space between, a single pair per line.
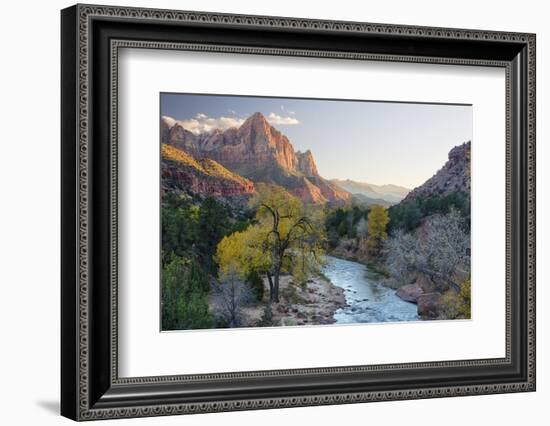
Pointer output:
90, 386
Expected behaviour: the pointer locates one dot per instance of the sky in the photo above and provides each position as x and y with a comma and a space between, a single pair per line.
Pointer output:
375, 142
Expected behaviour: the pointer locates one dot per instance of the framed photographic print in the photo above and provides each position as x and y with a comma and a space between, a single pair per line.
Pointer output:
263, 212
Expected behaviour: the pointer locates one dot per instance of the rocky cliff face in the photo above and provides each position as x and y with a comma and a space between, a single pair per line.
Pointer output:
260, 152
454, 176
182, 172
306, 164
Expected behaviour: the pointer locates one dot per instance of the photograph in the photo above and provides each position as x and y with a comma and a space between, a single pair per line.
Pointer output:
264, 209
294, 211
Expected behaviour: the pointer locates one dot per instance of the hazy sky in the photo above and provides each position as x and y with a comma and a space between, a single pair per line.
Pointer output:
375, 142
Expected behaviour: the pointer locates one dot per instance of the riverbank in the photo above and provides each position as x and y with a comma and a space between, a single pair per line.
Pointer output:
312, 304
346, 292
407, 292
367, 299
361, 258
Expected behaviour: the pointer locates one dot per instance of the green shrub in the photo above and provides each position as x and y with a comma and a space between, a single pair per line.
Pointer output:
455, 304
465, 293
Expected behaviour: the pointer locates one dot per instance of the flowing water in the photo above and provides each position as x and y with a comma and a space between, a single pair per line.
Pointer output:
368, 300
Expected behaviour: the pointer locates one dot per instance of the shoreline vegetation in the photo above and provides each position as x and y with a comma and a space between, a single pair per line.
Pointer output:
244, 244
312, 303
436, 280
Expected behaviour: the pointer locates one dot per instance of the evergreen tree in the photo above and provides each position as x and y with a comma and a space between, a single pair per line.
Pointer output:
213, 224
184, 295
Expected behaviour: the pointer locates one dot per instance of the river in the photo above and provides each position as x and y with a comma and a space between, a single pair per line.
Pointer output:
368, 300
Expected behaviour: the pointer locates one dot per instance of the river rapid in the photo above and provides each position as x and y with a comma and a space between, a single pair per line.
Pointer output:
368, 300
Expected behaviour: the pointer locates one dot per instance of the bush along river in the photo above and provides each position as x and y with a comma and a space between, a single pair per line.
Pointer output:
367, 299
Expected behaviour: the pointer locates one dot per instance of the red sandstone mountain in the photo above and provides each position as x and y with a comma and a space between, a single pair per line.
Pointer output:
454, 176
257, 151
181, 172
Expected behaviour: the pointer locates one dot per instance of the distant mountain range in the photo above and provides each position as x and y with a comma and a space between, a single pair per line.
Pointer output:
258, 152
363, 200
373, 194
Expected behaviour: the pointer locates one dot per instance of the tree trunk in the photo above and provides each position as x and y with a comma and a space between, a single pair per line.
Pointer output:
276, 258
275, 293
270, 280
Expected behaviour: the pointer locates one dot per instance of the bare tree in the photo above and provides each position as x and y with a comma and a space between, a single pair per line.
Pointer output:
231, 295
362, 228
437, 249
446, 246
362, 233
401, 256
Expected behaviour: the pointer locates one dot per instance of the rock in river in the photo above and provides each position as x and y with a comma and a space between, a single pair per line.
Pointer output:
410, 292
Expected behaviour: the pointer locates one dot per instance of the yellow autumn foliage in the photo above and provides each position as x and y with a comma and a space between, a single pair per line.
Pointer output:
377, 222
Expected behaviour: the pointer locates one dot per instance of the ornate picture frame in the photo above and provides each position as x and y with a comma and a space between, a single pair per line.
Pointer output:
91, 37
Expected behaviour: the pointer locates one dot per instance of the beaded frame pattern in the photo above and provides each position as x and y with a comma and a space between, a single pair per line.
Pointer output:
87, 12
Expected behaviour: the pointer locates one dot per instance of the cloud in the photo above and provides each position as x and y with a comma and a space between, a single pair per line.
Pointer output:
277, 119
202, 123
169, 120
